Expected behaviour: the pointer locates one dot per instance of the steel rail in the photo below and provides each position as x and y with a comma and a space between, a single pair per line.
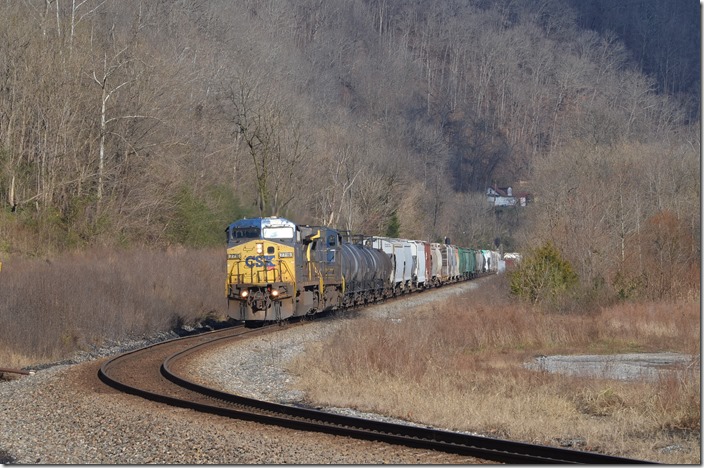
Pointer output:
313, 420
4, 370
407, 435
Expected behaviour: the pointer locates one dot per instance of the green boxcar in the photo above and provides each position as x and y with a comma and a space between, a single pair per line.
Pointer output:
467, 262
470, 263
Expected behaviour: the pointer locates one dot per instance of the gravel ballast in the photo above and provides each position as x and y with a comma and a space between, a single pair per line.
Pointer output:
256, 368
64, 415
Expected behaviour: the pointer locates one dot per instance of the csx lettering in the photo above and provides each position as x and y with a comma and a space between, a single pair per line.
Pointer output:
259, 261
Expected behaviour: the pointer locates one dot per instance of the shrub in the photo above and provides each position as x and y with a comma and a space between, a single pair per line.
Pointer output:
543, 275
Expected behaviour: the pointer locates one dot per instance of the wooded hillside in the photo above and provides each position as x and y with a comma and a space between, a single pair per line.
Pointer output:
158, 122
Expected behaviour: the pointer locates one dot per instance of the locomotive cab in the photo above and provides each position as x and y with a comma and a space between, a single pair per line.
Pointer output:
277, 269
261, 268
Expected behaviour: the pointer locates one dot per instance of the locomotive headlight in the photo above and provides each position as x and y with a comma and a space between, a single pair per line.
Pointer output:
244, 293
260, 249
274, 292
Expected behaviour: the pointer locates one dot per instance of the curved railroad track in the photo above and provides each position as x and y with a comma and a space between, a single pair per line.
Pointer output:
153, 373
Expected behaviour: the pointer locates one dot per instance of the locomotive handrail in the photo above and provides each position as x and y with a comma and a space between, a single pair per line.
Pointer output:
321, 286
285, 266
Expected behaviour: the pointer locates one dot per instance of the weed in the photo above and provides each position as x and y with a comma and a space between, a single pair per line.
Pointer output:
52, 308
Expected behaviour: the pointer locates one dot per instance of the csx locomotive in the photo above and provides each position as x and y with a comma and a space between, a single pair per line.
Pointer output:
277, 269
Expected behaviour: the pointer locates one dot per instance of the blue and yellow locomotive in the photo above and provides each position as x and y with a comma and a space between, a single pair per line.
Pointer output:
277, 270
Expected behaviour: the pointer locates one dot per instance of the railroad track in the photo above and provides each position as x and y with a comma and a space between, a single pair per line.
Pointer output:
153, 373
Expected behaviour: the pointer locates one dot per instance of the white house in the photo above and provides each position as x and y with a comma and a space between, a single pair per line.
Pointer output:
504, 196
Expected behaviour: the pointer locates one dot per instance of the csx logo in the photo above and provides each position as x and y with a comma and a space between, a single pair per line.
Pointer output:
259, 261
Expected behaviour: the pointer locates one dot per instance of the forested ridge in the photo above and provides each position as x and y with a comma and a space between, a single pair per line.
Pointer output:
158, 122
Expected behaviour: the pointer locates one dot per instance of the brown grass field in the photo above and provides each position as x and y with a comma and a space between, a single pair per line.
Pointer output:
459, 366
52, 307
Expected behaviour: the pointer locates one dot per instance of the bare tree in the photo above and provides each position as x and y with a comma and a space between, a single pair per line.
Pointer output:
271, 137
117, 61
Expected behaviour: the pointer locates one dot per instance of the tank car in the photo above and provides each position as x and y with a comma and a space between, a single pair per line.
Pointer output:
366, 274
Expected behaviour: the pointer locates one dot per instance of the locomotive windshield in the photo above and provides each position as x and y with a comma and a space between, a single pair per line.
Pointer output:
245, 233
277, 232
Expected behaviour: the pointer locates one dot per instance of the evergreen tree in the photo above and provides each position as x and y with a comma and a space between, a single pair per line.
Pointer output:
543, 275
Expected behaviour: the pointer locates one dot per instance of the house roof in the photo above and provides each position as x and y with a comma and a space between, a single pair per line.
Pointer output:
503, 192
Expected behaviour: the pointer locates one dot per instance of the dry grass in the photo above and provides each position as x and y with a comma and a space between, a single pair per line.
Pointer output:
50, 308
460, 366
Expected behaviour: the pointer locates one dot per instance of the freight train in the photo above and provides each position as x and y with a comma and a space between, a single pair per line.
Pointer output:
277, 269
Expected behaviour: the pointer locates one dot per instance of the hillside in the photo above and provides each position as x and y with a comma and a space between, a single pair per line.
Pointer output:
156, 123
